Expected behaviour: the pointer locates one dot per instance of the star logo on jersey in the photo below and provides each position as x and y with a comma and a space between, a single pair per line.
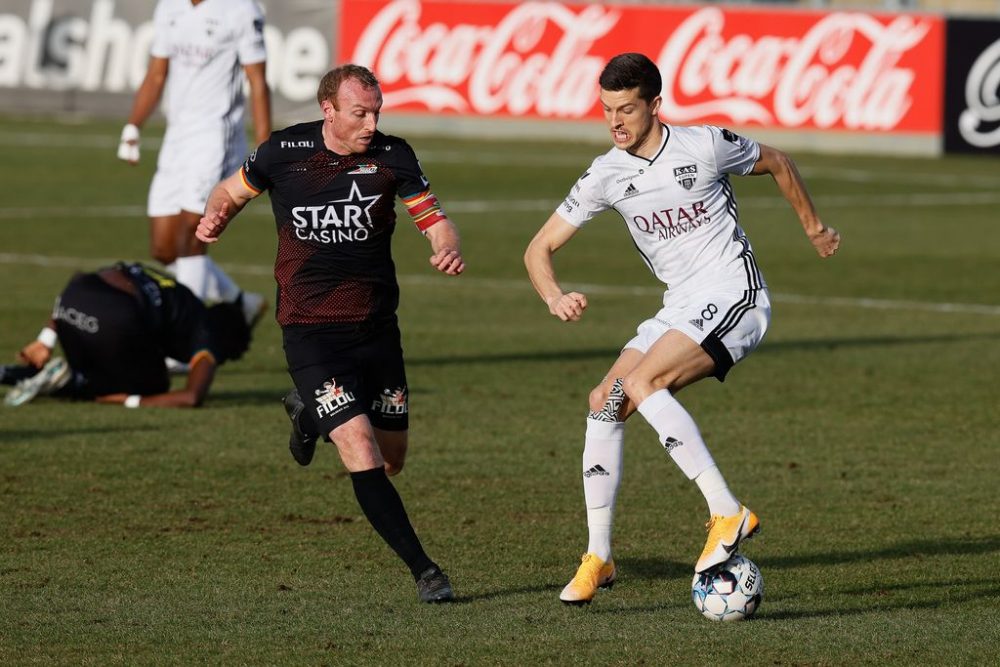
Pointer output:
351, 209
686, 175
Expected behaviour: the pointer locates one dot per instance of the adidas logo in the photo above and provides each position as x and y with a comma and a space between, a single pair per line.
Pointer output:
596, 470
698, 323
671, 443
631, 190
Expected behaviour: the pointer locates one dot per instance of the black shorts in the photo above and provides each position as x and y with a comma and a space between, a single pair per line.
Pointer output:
104, 334
340, 380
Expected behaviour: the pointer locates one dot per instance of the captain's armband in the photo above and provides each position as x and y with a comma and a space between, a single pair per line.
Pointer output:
424, 209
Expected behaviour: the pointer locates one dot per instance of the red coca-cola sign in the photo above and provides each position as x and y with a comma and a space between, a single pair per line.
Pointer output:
840, 70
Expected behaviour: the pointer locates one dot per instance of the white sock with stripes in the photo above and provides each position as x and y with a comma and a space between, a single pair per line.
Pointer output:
602, 472
680, 436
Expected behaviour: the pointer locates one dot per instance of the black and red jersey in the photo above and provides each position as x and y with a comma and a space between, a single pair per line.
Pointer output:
335, 215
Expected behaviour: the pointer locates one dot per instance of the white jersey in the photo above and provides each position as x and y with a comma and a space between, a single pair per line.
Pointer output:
207, 44
678, 206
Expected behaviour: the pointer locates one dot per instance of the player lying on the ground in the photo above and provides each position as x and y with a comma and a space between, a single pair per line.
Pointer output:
117, 326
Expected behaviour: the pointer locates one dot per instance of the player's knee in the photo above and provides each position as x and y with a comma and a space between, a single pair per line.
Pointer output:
162, 252
638, 387
598, 397
393, 468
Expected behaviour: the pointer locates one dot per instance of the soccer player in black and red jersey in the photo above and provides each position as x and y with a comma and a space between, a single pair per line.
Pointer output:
117, 326
333, 185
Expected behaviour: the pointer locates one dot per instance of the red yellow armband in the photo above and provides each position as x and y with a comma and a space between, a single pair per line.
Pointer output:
424, 209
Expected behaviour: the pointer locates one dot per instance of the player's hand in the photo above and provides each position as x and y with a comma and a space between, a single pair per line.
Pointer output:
128, 146
212, 224
35, 353
826, 241
448, 261
568, 307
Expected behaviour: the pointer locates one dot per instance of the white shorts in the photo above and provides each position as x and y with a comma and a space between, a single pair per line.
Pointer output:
190, 164
728, 324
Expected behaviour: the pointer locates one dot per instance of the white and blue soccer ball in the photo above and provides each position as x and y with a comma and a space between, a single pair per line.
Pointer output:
729, 592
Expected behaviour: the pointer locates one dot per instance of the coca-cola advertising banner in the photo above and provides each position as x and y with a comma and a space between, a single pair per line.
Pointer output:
972, 95
734, 66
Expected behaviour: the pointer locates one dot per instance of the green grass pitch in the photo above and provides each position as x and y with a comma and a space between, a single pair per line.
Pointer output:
863, 432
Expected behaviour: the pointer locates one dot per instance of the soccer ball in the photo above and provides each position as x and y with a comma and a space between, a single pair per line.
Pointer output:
729, 592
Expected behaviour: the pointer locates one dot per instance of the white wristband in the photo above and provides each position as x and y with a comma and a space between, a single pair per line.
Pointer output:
47, 337
132, 401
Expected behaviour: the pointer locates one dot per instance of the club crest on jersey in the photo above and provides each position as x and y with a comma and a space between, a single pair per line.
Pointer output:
365, 168
332, 399
686, 175
391, 402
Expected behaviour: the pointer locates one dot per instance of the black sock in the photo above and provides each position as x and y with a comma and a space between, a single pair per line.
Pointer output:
384, 508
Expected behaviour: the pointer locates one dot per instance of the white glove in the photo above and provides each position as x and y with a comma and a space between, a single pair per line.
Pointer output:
128, 147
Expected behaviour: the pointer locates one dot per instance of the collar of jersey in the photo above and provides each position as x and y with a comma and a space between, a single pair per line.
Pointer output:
663, 145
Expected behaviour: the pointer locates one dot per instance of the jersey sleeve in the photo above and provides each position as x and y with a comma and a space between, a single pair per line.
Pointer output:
414, 190
251, 36
410, 178
256, 168
585, 200
160, 47
734, 154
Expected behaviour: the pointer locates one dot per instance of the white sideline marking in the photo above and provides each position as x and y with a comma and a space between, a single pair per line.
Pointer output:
477, 206
109, 142
48, 261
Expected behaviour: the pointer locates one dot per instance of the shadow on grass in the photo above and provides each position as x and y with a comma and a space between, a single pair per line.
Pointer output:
610, 353
875, 341
968, 546
18, 435
852, 599
506, 592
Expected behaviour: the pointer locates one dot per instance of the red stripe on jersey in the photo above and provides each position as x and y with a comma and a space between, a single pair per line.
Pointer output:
424, 209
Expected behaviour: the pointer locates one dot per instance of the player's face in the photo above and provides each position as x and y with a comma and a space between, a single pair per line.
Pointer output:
631, 119
353, 121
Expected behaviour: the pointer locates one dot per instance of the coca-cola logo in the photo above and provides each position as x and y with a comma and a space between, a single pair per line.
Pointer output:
500, 65
790, 81
844, 70
982, 99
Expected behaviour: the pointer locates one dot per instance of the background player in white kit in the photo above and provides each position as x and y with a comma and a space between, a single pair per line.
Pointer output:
670, 184
199, 49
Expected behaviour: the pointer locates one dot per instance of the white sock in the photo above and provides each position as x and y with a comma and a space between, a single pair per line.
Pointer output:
680, 436
721, 500
193, 273
602, 472
221, 287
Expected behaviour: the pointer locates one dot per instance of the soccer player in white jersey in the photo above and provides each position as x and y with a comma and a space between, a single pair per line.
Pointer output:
670, 184
199, 49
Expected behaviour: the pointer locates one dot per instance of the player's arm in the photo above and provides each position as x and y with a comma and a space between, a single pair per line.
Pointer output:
426, 213
226, 200
554, 234
260, 101
39, 351
143, 105
780, 166
446, 246
199, 380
